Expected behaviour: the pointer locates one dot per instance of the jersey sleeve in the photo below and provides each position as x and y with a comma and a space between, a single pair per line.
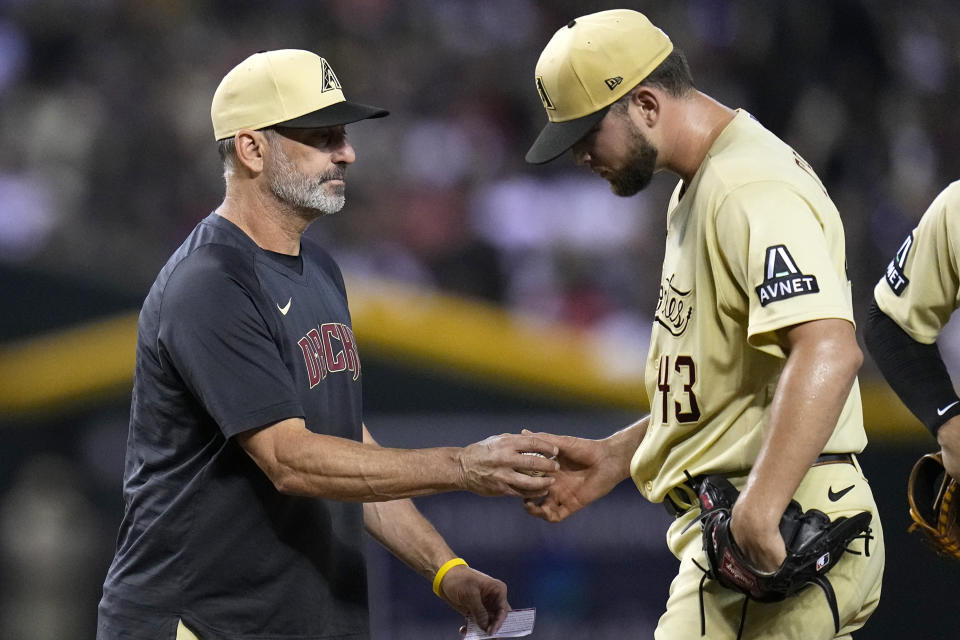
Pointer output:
213, 337
779, 253
919, 290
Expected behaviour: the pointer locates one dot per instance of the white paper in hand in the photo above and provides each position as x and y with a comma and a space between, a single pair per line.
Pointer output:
519, 623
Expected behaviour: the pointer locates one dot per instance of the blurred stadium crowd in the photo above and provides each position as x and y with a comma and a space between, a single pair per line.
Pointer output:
108, 160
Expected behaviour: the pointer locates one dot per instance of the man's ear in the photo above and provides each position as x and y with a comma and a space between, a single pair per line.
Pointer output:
647, 102
250, 149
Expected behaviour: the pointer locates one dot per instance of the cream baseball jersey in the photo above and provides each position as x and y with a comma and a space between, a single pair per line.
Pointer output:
754, 244
921, 287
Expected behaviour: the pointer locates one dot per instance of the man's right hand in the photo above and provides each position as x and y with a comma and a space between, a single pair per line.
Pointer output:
497, 466
587, 472
948, 436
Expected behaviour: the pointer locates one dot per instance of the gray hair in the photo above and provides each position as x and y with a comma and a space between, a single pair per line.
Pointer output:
227, 149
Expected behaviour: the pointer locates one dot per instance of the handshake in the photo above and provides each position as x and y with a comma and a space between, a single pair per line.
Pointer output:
554, 475
510, 465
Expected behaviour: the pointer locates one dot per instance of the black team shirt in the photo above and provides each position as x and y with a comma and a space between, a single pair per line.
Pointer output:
232, 338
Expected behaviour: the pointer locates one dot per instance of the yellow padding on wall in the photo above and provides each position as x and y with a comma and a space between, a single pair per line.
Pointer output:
47, 371
485, 342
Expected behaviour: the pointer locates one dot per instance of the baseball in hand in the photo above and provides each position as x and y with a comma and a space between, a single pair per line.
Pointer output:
535, 474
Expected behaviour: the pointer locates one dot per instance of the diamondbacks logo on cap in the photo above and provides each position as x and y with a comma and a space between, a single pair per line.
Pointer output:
782, 279
330, 82
894, 275
544, 98
613, 83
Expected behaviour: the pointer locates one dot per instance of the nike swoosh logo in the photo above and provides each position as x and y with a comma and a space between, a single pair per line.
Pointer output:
940, 412
836, 495
285, 307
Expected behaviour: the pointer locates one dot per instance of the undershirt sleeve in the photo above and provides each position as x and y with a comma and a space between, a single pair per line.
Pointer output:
914, 370
213, 337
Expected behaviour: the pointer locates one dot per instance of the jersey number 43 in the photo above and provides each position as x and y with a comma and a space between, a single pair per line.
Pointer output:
682, 376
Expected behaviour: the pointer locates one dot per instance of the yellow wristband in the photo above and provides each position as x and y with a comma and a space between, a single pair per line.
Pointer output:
442, 571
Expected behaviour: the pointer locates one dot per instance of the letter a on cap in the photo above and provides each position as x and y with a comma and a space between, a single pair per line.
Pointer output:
547, 103
330, 82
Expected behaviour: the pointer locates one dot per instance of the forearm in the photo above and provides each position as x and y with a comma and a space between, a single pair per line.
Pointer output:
623, 444
401, 529
809, 398
361, 472
300, 462
948, 437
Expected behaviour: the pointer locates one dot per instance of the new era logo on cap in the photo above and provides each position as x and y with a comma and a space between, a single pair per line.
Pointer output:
613, 83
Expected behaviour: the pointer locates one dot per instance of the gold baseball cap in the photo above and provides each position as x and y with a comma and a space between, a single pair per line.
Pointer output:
587, 66
288, 87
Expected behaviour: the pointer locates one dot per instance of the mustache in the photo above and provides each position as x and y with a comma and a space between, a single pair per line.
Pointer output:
337, 173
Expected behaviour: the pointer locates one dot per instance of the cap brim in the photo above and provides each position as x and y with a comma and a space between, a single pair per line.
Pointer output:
557, 137
336, 114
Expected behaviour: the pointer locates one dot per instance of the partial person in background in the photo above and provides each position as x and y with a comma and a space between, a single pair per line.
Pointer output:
912, 303
752, 368
247, 457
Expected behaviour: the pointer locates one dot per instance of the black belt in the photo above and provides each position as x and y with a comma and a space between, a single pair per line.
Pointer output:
691, 486
833, 458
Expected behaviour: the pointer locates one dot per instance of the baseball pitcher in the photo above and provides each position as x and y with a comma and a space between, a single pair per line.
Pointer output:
755, 420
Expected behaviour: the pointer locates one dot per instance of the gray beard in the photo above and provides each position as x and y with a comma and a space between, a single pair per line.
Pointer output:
304, 193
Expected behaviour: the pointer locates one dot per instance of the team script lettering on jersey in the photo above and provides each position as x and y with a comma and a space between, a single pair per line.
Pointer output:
674, 307
320, 357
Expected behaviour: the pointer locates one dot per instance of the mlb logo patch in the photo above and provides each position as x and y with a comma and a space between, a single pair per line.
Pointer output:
823, 561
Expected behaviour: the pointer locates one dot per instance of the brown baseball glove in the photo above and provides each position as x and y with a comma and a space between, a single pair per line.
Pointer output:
935, 505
